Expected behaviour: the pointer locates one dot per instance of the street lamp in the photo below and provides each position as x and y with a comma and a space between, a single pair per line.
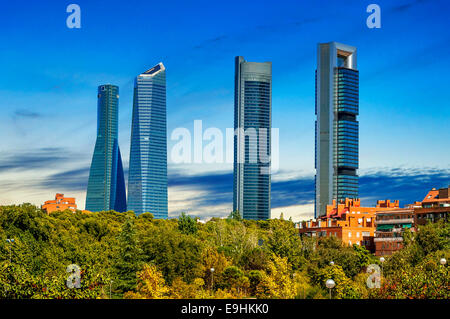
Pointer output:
212, 278
381, 261
110, 288
10, 241
443, 261
330, 285
331, 263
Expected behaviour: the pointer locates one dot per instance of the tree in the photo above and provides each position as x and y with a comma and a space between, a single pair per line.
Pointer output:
151, 285
128, 260
416, 283
255, 277
433, 237
213, 259
284, 241
187, 225
331, 249
344, 289
255, 258
181, 290
263, 259
235, 215
175, 254
233, 278
277, 283
364, 256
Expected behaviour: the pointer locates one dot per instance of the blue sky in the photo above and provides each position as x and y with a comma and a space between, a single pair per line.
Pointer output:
51, 73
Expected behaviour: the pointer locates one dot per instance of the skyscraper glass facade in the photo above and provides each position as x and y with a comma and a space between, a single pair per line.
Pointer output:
252, 123
337, 128
106, 185
346, 128
147, 179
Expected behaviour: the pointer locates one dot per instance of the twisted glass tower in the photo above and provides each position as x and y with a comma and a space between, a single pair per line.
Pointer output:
147, 179
252, 123
337, 141
106, 186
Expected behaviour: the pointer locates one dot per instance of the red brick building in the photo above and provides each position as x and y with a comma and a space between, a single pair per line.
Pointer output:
391, 225
435, 206
348, 221
60, 203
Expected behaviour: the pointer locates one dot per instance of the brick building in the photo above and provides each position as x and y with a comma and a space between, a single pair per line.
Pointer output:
60, 203
348, 221
435, 206
390, 226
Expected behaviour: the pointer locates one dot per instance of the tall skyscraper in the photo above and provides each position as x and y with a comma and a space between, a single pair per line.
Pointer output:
106, 186
252, 123
337, 106
147, 179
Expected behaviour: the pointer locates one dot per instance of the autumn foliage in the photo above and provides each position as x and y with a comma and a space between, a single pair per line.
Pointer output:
124, 256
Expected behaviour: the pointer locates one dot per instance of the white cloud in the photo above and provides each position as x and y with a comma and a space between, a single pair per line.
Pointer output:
297, 212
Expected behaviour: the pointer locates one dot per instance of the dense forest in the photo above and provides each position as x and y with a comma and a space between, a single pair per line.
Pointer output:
120, 255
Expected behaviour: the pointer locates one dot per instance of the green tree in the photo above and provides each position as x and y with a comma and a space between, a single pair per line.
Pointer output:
255, 277
284, 241
175, 254
231, 278
187, 225
344, 289
235, 215
128, 261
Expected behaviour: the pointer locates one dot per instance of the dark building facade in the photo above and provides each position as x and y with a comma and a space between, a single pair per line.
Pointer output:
106, 186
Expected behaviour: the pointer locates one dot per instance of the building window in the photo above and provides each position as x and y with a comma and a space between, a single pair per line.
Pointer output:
349, 234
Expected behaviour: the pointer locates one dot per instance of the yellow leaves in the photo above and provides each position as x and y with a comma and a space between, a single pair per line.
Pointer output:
151, 285
223, 294
195, 290
277, 282
213, 259
302, 284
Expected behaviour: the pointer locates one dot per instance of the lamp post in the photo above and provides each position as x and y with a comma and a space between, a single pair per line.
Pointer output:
10, 241
212, 278
381, 261
443, 261
330, 285
110, 288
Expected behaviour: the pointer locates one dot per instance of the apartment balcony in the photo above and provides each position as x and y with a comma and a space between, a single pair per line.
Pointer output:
395, 221
390, 233
388, 239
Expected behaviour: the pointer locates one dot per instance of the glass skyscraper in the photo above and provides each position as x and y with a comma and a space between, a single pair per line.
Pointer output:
106, 186
252, 123
337, 141
147, 179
